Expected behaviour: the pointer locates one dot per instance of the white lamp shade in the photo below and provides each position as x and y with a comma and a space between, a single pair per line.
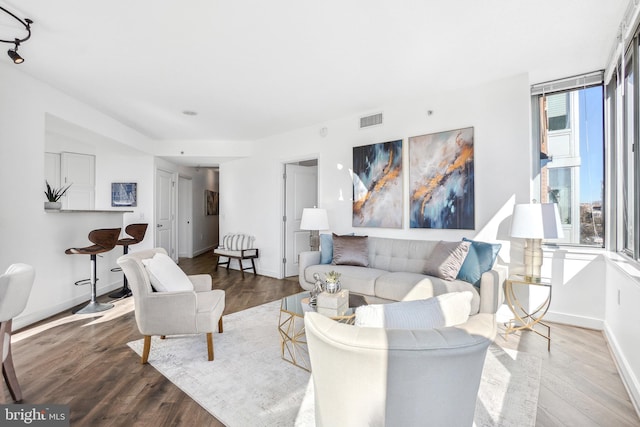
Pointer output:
536, 221
314, 219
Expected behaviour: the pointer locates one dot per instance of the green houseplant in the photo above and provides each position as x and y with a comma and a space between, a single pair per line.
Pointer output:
54, 195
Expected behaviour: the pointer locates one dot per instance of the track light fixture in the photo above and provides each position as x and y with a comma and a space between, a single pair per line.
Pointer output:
13, 53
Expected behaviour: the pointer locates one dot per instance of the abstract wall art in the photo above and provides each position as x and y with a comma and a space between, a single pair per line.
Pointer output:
377, 185
441, 180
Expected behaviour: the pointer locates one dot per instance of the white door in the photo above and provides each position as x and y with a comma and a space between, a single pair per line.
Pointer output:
301, 191
165, 216
185, 217
79, 170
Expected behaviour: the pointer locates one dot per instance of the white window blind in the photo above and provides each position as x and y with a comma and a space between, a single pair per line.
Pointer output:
576, 82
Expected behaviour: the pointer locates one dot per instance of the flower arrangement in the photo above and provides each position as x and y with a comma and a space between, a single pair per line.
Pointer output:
332, 277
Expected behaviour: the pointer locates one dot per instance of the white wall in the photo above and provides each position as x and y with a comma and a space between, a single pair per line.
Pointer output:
622, 320
578, 284
251, 188
28, 233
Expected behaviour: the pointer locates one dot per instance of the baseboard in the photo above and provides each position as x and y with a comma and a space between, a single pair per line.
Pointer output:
573, 320
201, 251
36, 316
630, 381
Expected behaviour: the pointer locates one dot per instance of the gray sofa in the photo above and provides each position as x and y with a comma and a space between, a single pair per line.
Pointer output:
395, 268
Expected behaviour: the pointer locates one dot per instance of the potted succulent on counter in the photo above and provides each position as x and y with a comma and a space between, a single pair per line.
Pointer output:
53, 196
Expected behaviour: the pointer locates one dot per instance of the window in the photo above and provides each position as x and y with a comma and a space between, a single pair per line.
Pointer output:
628, 161
571, 136
622, 134
558, 111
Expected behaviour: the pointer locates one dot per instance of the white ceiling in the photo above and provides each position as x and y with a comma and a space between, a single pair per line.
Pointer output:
254, 68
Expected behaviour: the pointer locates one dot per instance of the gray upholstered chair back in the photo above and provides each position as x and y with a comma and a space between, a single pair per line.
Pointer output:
133, 268
140, 285
385, 377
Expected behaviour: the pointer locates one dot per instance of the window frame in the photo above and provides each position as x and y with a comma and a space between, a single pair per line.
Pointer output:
568, 85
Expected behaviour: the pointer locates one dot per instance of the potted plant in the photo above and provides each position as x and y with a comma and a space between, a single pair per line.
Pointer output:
332, 282
53, 196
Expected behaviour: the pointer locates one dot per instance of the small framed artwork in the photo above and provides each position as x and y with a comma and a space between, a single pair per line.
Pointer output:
211, 202
124, 194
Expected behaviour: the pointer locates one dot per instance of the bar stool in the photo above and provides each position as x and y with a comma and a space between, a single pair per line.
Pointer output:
104, 240
137, 232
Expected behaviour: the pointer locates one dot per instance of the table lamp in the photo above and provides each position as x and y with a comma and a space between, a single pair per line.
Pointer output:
314, 219
534, 222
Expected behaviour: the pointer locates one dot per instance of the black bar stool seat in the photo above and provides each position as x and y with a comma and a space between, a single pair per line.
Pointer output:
137, 232
103, 240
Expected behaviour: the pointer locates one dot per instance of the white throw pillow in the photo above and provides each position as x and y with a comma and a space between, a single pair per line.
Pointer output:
444, 310
165, 275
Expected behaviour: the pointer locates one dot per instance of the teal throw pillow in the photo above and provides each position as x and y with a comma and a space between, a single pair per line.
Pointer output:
480, 259
326, 248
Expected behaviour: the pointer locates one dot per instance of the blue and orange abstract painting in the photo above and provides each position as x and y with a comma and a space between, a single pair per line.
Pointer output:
377, 185
441, 180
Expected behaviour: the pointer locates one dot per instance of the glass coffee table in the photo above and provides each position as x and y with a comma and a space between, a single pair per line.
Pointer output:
293, 342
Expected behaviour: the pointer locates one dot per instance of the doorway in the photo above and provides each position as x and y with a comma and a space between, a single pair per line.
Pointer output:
165, 212
301, 191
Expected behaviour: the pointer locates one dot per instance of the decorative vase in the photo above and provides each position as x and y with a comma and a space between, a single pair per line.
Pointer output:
52, 205
332, 287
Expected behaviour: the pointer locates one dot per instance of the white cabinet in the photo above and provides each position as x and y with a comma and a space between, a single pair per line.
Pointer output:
52, 169
79, 171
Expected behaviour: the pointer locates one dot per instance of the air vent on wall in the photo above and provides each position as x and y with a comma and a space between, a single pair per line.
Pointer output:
368, 121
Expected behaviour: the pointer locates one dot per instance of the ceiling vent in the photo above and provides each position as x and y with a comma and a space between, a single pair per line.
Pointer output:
373, 120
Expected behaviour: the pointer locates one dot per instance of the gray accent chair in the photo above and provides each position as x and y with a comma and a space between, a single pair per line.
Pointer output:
15, 288
393, 377
172, 313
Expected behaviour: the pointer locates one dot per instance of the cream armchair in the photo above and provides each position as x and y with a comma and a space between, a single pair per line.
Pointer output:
172, 313
392, 377
15, 288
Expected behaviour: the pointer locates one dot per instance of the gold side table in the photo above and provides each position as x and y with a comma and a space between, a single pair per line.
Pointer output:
525, 320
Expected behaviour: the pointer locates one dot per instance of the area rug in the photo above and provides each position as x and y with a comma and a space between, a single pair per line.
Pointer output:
248, 384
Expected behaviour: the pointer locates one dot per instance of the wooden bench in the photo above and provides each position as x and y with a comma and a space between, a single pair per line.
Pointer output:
237, 246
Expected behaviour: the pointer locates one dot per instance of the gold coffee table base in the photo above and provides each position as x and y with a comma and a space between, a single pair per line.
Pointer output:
293, 341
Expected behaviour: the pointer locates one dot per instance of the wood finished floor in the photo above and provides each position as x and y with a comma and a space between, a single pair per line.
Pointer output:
83, 361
